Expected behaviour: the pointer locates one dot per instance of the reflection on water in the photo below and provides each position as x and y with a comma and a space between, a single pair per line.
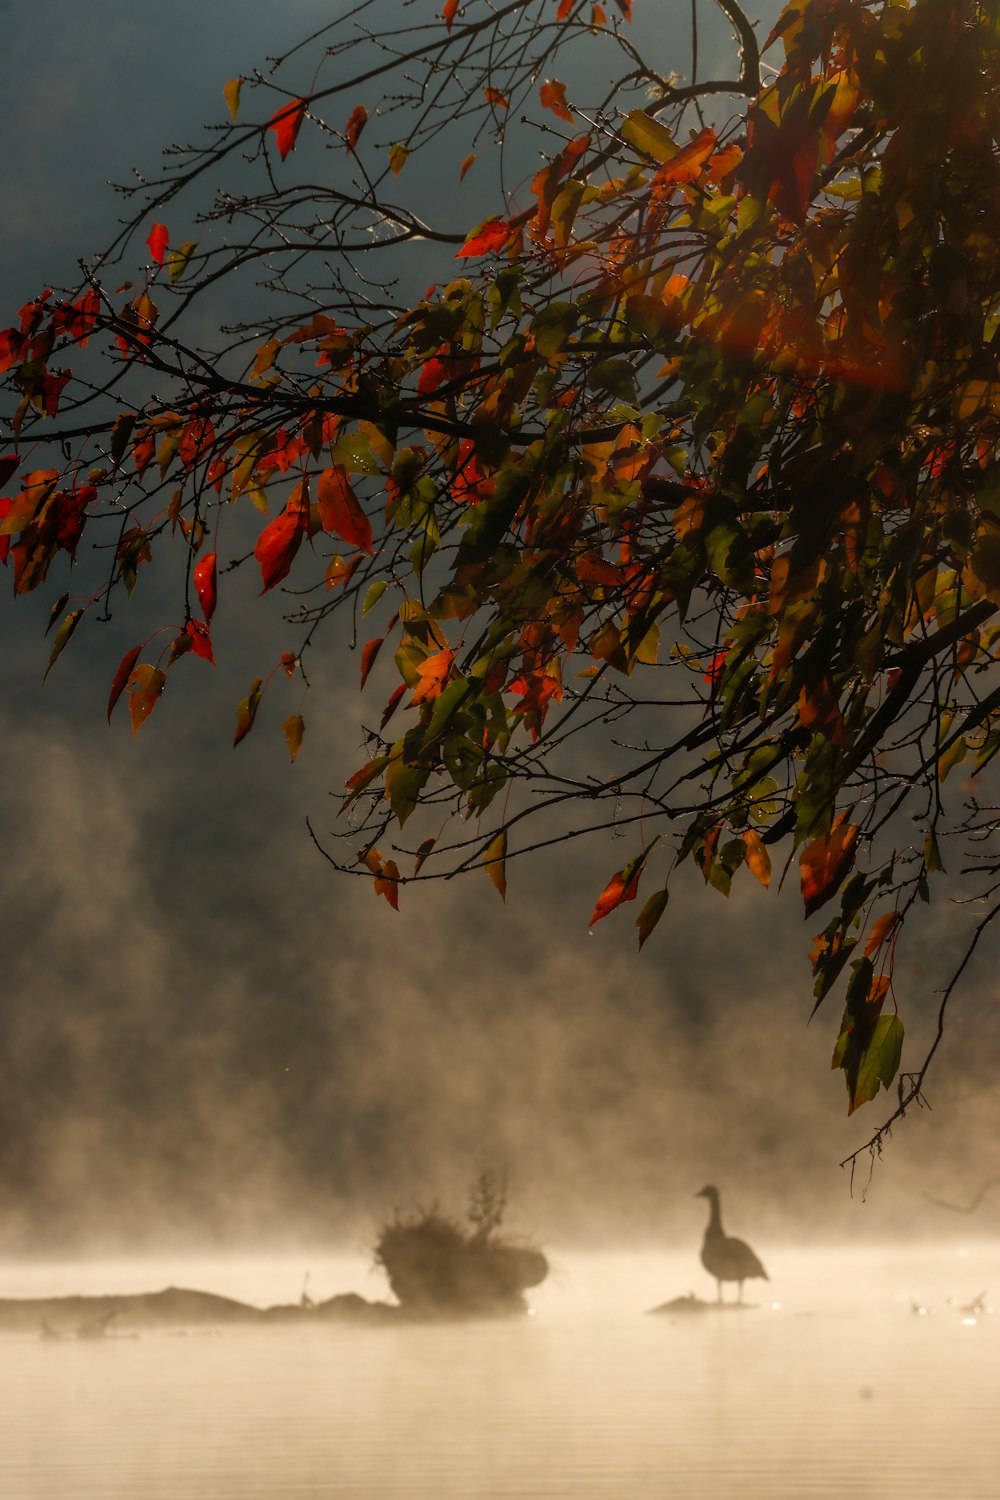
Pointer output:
838, 1390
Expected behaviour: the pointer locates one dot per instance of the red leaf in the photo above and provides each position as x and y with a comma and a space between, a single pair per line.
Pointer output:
553, 96
826, 861
201, 641
122, 676
392, 705
205, 581
492, 235
494, 96
621, 887
368, 654
448, 13
145, 684
157, 240
285, 122
356, 122
340, 509
8, 466
277, 545
565, 9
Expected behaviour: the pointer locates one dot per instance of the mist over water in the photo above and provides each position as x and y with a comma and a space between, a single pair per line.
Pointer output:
831, 1384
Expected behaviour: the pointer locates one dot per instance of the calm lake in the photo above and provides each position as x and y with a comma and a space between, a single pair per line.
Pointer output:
832, 1385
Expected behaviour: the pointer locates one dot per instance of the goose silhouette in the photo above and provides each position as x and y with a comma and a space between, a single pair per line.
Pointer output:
722, 1256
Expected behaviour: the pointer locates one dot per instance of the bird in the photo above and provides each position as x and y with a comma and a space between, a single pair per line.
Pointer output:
723, 1257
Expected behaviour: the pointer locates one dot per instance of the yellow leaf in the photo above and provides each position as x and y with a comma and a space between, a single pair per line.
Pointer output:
231, 93
495, 862
758, 859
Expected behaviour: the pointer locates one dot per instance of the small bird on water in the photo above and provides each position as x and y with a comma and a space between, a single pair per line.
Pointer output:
723, 1257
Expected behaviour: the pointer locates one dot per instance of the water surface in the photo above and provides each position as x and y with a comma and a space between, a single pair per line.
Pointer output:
831, 1386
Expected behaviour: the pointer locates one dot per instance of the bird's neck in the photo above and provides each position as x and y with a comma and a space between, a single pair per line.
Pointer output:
714, 1217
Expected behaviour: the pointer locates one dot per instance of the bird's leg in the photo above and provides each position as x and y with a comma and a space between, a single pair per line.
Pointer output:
718, 1290
740, 1297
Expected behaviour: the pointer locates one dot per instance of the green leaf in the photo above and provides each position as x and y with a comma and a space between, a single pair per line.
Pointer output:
177, 260
403, 784
63, 634
877, 1064
373, 595
651, 913
649, 136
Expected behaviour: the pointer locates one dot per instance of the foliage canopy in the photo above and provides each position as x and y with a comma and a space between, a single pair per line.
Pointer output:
675, 499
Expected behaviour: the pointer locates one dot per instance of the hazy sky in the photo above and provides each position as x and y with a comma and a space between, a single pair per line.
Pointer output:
205, 1033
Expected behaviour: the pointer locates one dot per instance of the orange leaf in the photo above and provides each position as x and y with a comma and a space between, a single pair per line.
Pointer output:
492, 235
157, 242
434, 673
356, 122
294, 728
826, 861
466, 164
553, 96
881, 930
144, 686
122, 676
758, 859
285, 122
448, 13
387, 883
494, 96
340, 509
495, 862
687, 164
622, 886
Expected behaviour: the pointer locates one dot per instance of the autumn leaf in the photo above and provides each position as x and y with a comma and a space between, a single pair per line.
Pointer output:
387, 883
201, 641
356, 122
177, 261
205, 584
277, 545
494, 96
144, 686
433, 674
157, 242
286, 123
553, 96
231, 93
397, 157
340, 509
651, 913
62, 637
293, 729
489, 236
368, 654
758, 859
687, 164
246, 711
122, 676
881, 930
449, 12
495, 862
466, 164
826, 861
622, 886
